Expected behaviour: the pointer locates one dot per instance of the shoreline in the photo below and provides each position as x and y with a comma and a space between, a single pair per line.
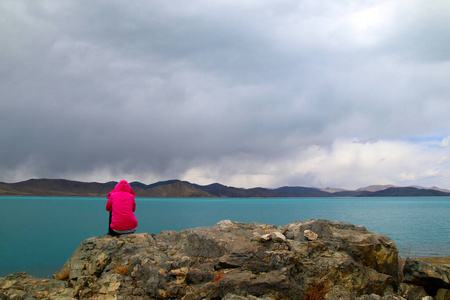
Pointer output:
438, 260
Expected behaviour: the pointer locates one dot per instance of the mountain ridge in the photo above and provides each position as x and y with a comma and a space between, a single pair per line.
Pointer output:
183, 189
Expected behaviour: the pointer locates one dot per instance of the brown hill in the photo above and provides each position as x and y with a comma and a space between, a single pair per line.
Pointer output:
403, 192
56, 187
184, 189
179, 189
68, 188
375, 188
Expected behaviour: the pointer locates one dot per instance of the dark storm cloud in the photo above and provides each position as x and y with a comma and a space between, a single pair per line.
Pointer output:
228, 92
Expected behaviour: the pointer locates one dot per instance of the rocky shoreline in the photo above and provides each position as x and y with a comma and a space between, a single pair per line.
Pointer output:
310, 259
437, 260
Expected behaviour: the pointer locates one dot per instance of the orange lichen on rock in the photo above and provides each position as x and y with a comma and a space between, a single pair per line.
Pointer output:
218, 278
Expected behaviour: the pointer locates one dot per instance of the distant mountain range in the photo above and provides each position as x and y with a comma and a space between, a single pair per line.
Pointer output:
184, 189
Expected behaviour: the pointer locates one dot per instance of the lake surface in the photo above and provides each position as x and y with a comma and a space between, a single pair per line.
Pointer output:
38, 234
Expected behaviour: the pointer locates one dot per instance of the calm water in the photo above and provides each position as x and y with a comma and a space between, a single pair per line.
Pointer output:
38, 234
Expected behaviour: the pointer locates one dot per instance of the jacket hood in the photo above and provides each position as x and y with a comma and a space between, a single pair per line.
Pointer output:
122, 186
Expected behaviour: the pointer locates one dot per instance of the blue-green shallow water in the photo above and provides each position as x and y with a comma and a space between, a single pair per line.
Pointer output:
38, 234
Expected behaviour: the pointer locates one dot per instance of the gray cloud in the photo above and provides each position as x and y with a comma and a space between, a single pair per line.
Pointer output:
228, 92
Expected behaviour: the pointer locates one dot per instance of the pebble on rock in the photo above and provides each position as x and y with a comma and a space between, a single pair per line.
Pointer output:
310, 235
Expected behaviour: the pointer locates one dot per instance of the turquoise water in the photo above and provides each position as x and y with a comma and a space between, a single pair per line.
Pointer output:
38, 234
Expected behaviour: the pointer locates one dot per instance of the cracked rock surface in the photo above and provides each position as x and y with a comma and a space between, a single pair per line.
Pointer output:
232, 260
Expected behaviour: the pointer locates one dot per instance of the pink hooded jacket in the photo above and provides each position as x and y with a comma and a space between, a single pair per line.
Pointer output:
122, 205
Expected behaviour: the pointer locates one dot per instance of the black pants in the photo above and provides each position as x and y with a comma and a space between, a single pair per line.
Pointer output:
110, 231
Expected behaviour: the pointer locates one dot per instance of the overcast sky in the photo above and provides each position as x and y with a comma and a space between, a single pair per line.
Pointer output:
246, 93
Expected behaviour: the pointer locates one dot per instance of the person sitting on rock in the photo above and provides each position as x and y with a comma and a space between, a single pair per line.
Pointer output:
121, 205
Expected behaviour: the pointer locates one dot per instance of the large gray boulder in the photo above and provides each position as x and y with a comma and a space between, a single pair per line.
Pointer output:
231, 260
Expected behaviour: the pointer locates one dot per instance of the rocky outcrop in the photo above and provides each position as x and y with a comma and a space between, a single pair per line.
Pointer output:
431, 277
230, 260
23, 286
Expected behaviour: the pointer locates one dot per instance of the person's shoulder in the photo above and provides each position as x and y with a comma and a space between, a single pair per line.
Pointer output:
123, 194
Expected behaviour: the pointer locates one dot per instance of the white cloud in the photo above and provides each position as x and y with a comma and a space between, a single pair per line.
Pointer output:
445, 142
346, 164
354, 164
